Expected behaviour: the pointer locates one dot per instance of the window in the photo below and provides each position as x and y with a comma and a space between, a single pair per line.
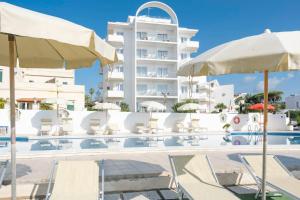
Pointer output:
162, 54
297, 104
65, 83
31, 81
184, 89
120, 50
184, 56
118, 68
1, 75
162, 88
141, 35
162, 72
141, 88
162, 37
184, 39
70, 107
142, 71
120, 33
120, 87
141, 53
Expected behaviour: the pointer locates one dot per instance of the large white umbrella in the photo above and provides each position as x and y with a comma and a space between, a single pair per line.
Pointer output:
260, 53
41, 41
152, 106
190, 106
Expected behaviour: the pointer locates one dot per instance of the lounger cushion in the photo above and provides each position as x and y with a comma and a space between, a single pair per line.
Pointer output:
76, 180
276, 174
196, 178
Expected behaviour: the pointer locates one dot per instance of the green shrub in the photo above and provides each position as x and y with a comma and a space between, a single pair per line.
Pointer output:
124, 107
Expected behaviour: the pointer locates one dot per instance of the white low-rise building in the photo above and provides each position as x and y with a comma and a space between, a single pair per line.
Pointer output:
34, 85
293, 102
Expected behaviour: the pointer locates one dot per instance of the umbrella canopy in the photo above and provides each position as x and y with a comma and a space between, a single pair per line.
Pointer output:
268, 51
260, 53
153, 106
46, 41
260, 106
36, 40
190, 106
106, 106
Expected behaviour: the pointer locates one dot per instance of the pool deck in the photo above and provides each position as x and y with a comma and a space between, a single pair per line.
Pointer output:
138, 171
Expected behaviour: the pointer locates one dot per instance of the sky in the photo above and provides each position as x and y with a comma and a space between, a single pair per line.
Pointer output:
218, 21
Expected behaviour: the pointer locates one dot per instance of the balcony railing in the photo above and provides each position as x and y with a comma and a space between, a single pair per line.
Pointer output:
114, 76
156, 38
190, 46
156, 75
120, 57
155, 93
115, 38
197, 96
155, 56
114, 94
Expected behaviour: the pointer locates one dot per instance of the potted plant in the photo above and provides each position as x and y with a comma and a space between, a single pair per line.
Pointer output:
226, 127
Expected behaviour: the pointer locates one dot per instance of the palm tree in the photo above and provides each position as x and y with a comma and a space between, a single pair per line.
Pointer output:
91, 92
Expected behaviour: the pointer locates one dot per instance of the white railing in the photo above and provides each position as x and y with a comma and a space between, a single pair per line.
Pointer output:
114, 75
190, 45
155, 56
114, 94
157, 75
115, 38
155, 93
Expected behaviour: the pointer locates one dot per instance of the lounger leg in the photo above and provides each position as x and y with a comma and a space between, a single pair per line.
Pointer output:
258, 192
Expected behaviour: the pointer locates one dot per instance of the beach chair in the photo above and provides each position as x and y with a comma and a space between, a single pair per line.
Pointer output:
112, 128
67, 126
95, 127
153, 126
195, 126
3, 167
278, 176
75, 180
46, 126
180, 127
140, 128
195, 178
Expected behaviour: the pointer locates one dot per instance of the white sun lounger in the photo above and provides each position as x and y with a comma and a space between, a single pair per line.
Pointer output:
75, 180
278, 176
3, 167
194, 176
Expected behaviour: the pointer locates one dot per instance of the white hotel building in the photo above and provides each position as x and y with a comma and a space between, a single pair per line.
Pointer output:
150, 50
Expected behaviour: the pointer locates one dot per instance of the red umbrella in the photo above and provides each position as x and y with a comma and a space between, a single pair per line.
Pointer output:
260, 106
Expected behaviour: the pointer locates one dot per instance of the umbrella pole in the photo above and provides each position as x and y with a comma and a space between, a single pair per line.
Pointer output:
11, 39
265, 135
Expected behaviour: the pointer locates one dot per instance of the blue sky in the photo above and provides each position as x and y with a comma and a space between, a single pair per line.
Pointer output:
218, 21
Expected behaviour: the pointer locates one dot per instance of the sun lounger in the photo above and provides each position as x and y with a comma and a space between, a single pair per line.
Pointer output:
180, 127
140, 128
95, 127
46, 126
153, 127
3, 167
112, 128
67, 126
278, 177
194, 177
195, 126
75, 180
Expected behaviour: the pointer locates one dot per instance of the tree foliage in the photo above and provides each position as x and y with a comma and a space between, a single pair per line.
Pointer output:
46, 106
124, 107
2, 103
220, 107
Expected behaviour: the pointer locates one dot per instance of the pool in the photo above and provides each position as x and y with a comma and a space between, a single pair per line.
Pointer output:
254, 138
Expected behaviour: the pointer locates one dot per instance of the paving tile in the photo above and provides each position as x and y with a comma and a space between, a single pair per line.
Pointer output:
169, 194
112, 197
149, 195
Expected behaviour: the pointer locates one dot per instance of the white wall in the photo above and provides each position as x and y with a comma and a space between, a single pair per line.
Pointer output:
29, 122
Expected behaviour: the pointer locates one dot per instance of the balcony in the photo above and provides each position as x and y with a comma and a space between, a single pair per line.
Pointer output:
114, 94
197, 96
156, 39
191, 46
155, 57
155, 75
115, 39
155, 94
120, 57
114, 76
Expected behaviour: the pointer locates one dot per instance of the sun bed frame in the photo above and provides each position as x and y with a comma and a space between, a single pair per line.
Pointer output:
258, 180
51, 177
179, 189
3, 168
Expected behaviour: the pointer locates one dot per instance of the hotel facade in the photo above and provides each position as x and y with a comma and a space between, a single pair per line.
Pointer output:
150, 50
